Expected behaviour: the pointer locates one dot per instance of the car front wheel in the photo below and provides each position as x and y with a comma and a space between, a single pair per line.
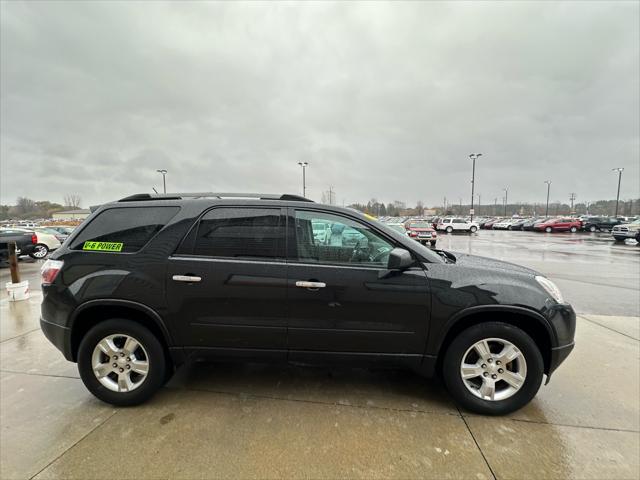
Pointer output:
121, 362
592, 228
493, 368
574, 229
449, 229
548, 229
433, 243
473, 229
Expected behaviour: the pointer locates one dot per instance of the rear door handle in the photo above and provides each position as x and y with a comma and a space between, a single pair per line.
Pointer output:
312, 285
186, 278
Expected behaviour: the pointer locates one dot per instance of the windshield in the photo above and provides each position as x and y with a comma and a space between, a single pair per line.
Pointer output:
420, 225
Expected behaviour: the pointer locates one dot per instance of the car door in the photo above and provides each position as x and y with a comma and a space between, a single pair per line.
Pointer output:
561, 225
339, 306
226, 286
459, 224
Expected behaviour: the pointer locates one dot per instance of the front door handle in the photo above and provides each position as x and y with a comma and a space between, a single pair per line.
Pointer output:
310, 285
186, 278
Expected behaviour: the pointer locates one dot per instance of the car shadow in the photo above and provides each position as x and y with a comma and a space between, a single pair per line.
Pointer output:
381, 388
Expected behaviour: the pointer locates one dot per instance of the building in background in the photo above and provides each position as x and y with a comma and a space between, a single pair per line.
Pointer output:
80, 214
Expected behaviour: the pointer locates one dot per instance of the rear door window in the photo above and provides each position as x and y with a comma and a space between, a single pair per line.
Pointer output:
125, 229
231, 232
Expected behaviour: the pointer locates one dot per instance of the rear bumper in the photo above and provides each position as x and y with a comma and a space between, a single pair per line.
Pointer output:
58, 335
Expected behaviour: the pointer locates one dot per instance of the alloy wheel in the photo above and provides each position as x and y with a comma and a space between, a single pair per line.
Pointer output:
493, 369
40, 251
120, 363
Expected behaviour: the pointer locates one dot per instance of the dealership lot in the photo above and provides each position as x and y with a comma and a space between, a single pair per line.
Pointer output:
222, 420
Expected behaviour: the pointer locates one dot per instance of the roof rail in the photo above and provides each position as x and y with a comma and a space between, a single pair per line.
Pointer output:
179, 196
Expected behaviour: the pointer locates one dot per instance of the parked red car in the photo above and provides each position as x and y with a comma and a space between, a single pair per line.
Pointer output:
559, 225
423, 232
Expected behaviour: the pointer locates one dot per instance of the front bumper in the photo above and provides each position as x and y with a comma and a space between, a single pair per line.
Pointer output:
562, 319
60, 337
624, 234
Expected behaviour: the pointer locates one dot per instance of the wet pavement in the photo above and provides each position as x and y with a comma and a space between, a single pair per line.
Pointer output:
259, 421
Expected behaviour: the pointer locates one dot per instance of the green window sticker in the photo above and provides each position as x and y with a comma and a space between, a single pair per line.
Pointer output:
103, 246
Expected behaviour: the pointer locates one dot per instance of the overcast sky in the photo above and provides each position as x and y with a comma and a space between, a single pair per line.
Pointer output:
383, 100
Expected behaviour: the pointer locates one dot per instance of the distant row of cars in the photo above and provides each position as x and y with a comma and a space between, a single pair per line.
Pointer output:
620, 228
424, 230
35, 241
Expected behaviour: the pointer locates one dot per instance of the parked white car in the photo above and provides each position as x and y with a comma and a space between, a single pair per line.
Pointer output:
451, 225
46, 243
506, 224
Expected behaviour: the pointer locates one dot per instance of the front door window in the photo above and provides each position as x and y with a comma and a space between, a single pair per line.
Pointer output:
331, 239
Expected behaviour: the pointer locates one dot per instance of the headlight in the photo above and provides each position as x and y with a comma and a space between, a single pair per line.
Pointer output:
551, 288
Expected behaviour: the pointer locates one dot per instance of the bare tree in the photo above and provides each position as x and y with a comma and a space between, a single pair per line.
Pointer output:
72, 200
25, 205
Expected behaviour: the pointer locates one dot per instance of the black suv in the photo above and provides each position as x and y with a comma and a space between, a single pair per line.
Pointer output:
604, 224
151, 281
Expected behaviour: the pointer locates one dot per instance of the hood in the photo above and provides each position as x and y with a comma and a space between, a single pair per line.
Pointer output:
490, 264
421, 229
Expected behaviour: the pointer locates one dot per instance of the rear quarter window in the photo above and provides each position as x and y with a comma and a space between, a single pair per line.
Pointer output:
132, 227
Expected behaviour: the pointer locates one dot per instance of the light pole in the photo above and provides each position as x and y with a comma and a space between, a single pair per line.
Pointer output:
619, 170
548, 182
506, 199
473, 157
304, 178
479, 204
164, 179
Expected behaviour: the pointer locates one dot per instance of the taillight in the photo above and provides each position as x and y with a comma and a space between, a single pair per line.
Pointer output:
34, 239
50, 270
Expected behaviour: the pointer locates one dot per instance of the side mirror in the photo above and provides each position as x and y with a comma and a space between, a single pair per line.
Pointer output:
399, 259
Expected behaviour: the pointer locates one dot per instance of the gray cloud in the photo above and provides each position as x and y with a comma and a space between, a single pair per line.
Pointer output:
384, 100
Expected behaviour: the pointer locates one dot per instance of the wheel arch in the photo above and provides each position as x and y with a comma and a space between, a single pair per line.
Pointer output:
93, 312
531, 323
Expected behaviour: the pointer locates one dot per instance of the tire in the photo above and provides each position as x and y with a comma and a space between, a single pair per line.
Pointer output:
593, 228
449, 229
573, 229
473, 229
433, 243
548, 229
458, 351
151, 349
619, 239
509, 227
39, 251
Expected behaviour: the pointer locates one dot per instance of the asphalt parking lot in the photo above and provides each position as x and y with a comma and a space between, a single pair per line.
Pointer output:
257, 421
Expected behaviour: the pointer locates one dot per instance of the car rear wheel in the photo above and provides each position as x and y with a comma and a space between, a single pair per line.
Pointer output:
548, 229
449, 229
121, 362
433, 243
39, 251
574, 229
493, 368
473, 229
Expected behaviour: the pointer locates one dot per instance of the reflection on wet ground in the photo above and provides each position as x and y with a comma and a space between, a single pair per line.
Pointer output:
232, 420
